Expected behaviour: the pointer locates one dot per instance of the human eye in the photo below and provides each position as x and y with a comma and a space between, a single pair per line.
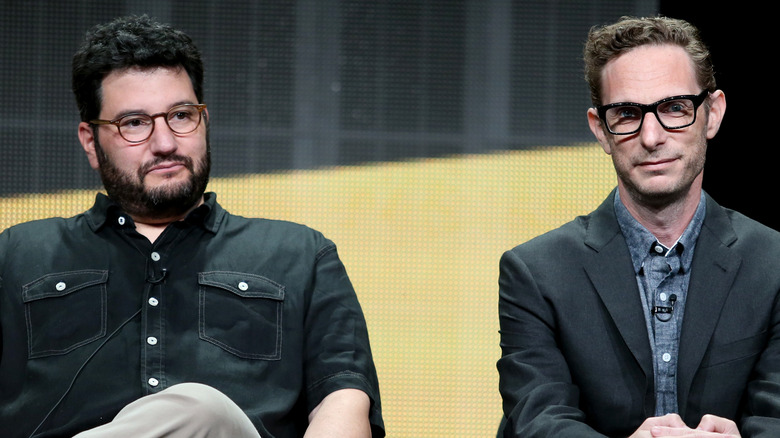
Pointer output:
676, 108
134, 122
628, 112
182, 113
624, 114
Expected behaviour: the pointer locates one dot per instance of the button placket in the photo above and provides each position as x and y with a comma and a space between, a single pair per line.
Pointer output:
152, 344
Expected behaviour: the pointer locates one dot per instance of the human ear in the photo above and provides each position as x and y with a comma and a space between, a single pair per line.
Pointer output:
87, 138
597, 128
716, 113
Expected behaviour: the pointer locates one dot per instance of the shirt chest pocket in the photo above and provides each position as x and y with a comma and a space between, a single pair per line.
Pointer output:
242, 314
64, 311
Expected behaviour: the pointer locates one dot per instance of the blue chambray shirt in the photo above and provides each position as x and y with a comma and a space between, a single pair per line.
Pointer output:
662, 275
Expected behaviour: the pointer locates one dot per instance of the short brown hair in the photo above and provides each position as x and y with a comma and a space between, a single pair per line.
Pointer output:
605, 43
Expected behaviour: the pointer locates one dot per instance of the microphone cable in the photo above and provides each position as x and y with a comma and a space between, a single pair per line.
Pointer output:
81, 368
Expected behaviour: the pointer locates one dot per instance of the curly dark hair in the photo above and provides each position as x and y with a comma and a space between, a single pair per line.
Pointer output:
608, 42
130, 42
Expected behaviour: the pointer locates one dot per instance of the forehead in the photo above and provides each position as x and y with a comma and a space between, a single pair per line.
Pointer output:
647, 74
145, 90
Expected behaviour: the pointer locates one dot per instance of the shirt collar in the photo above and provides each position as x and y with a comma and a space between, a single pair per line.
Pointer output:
104, 211
640, 241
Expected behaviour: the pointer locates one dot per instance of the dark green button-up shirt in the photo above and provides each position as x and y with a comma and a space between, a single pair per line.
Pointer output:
94, 316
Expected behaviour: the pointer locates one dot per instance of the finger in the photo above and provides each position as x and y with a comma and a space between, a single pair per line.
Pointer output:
672, 420
681, 432
713, 423
661, 431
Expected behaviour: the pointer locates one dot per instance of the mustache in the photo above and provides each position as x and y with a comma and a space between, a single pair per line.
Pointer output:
175, 159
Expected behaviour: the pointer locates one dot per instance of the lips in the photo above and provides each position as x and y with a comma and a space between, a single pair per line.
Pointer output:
651, 163
657, 163
167, 164
162, 167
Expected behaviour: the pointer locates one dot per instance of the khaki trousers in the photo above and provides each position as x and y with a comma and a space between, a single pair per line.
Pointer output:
190, 410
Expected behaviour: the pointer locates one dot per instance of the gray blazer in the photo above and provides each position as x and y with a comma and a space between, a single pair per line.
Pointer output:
576, 359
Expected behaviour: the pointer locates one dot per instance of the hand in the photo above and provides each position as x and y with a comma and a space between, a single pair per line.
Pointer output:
668, 421
717, 424
709, 426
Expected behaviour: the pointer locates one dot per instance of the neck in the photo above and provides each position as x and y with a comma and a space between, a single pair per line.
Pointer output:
152, 227
666, 220
151, 231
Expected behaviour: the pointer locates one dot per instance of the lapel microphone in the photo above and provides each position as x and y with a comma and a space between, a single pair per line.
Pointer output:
664, 313
163, 274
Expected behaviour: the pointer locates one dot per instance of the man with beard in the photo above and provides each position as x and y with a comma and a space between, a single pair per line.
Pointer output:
156, 312
657, 314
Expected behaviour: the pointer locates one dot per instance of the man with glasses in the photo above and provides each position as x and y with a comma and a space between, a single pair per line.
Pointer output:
156, 312
657, 314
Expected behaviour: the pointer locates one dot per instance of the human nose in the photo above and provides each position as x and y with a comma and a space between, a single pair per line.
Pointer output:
651, 132
162, 140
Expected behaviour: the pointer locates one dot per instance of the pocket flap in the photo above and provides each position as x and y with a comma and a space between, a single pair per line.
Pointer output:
243, 285
61, 284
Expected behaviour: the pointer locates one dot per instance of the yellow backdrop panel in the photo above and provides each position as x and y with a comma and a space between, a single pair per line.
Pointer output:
421, 241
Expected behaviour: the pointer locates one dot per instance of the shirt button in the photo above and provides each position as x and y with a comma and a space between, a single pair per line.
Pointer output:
156, 256
662, 296
60, 286
658, 249
666, 357
151, 340
153, 301
153, 382
120, 220
243, 285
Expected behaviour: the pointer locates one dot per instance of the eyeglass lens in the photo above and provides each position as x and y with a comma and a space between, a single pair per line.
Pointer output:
672, 114
138, 127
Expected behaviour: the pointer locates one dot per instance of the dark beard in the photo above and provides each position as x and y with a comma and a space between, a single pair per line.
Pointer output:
128, 190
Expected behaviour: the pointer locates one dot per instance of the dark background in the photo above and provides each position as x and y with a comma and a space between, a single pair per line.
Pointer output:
740, 170
316, 83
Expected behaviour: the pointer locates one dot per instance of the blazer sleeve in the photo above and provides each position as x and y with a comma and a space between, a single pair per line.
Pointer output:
754, 308
761, 418
539, 398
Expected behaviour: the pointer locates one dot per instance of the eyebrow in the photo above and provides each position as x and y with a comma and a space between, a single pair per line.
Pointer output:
139, 111
626, 102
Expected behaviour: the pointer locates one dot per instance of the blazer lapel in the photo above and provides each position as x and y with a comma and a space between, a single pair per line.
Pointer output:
612, 274
713, 270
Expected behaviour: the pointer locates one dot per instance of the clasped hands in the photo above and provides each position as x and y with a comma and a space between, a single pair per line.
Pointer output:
671, 425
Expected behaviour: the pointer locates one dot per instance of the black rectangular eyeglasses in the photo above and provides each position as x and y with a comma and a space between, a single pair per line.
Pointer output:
674, 112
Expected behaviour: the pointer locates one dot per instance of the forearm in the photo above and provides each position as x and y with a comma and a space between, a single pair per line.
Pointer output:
342, 414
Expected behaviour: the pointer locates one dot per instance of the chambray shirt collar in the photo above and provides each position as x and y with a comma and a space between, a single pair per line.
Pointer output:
640, 241
104, 211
